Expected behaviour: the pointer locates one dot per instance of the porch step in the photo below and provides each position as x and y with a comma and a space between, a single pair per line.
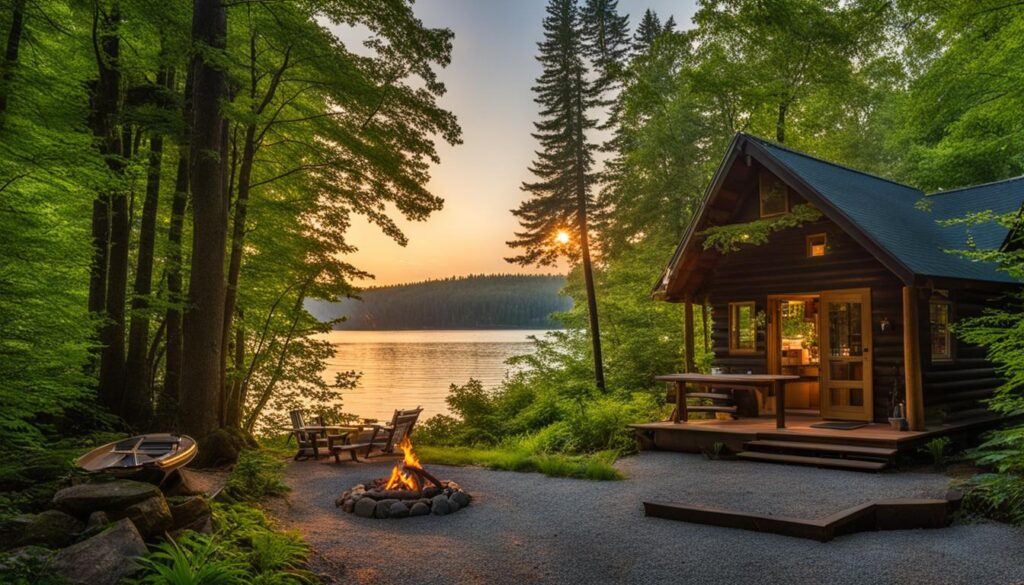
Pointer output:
852, 450
828, 462
708, 395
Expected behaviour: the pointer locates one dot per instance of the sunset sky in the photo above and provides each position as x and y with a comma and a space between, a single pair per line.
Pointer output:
489, 81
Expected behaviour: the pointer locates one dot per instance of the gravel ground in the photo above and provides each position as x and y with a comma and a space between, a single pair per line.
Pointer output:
528, 528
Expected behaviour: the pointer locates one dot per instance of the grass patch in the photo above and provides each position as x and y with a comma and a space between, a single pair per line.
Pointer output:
597, 466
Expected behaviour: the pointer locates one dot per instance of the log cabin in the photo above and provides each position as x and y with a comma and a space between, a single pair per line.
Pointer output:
850, 292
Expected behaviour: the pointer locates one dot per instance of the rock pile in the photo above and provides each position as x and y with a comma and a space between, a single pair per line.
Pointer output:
99, 527
375, 502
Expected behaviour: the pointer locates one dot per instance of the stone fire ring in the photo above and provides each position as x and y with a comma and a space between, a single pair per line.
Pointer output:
376, 502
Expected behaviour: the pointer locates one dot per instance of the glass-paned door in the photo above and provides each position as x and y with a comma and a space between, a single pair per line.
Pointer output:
846, 355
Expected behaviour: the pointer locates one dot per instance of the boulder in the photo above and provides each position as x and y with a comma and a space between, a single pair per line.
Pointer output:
398, 510
431, 491
453, 506
365, 507
151, 516
181, 482
86, 498
439, 505
52, 528
103, 559
349, 505
97, 519
461, 498
419, 509
384, 508
189, 513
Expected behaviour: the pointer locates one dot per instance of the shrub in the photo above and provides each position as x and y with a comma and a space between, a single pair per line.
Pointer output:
937, 449
244, 548
998, 495
193, 559
256, 475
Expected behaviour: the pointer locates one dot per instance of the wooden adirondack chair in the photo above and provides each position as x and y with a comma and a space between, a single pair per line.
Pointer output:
304, 439
384, 438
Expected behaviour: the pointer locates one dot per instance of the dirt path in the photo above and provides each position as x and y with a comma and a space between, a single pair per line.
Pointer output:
528, 528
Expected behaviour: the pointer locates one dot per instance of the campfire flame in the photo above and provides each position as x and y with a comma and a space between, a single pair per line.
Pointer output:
401, 478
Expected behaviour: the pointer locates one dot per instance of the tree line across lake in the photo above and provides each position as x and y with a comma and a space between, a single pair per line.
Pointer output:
499, 301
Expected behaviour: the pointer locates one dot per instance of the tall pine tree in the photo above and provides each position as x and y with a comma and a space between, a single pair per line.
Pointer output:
605, 37
648, 30
560, 198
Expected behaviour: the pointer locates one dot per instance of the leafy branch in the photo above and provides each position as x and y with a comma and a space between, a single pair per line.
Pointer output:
729, 238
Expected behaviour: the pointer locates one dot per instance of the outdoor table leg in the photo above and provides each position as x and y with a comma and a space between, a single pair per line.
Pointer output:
780, 404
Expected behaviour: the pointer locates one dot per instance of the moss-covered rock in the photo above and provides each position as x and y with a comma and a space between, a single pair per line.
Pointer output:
85, 498
219, 448
51, 528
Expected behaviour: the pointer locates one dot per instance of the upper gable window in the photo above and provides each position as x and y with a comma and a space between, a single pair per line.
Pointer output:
774, 195
817, 245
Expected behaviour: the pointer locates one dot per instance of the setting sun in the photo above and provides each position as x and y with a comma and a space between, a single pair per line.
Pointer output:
562, 237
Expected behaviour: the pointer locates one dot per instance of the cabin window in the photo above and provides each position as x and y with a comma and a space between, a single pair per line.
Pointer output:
816, 245
938, 316
774, 195
742, 327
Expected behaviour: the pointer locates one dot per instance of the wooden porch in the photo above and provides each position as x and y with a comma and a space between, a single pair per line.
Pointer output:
869, 448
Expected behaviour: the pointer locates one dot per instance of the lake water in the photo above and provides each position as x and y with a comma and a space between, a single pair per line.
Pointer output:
405, 369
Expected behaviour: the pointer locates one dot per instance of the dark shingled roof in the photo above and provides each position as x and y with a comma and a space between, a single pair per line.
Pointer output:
891, 214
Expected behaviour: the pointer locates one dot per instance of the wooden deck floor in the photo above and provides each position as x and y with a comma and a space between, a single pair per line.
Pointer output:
697, 435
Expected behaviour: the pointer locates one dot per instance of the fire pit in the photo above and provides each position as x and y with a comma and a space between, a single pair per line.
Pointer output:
410, 490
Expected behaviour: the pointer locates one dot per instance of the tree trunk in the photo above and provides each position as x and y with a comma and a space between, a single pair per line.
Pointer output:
282, 357
236, 401
237, 242
242, 204
780, 123
109, 270
201, 390
137, 395
588, 273
168, 402
10, 62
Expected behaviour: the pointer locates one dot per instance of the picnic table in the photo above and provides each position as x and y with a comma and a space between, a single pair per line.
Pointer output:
766, 382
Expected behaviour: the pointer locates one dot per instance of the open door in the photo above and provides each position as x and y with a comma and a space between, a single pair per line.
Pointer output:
846, 388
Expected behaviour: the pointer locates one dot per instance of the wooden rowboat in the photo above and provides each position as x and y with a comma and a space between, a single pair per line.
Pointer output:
147, 457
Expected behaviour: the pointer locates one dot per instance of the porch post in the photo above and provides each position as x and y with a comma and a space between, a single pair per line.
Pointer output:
912, 360
688, 333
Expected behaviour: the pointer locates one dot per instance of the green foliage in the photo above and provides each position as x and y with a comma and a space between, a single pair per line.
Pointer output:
30, 476
29, 567
530, 417
730, 237
937, 449
245, 548
597, 466
193, 559
257, 474
999, 493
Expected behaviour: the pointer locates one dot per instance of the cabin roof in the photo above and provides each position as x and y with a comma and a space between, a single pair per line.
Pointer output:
905, 221
896, 222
